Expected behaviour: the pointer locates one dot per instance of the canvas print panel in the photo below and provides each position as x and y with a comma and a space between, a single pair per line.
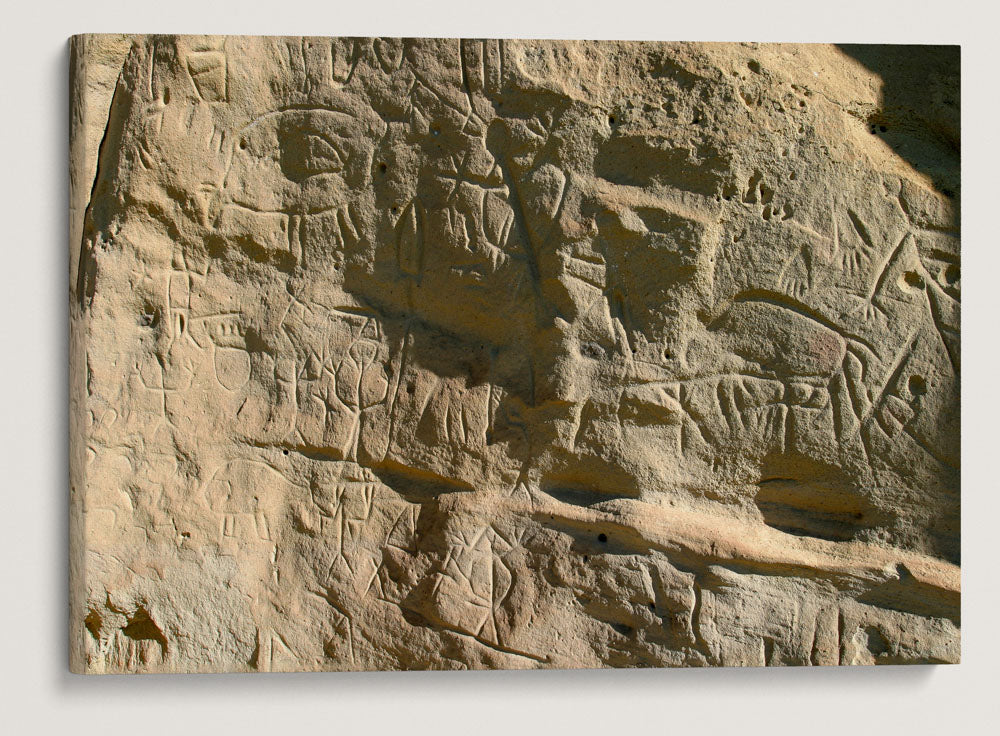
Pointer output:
461, 354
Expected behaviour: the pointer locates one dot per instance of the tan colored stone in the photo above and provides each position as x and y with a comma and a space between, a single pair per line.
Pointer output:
441, 354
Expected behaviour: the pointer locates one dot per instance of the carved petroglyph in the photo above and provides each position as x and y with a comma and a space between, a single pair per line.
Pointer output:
437, 353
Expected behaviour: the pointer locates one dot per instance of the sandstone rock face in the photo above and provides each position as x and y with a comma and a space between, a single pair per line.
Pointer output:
442, 354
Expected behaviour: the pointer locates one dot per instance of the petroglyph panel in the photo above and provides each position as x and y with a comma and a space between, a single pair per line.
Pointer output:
461, 354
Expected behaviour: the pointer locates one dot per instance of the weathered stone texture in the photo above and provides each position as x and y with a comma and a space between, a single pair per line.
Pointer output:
399, 354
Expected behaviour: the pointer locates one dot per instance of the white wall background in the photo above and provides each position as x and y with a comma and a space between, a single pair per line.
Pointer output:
38, 695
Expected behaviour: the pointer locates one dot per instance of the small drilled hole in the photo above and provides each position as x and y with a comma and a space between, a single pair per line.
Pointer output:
602, 538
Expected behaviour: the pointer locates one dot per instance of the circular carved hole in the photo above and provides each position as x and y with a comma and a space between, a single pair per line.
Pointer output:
602, 538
